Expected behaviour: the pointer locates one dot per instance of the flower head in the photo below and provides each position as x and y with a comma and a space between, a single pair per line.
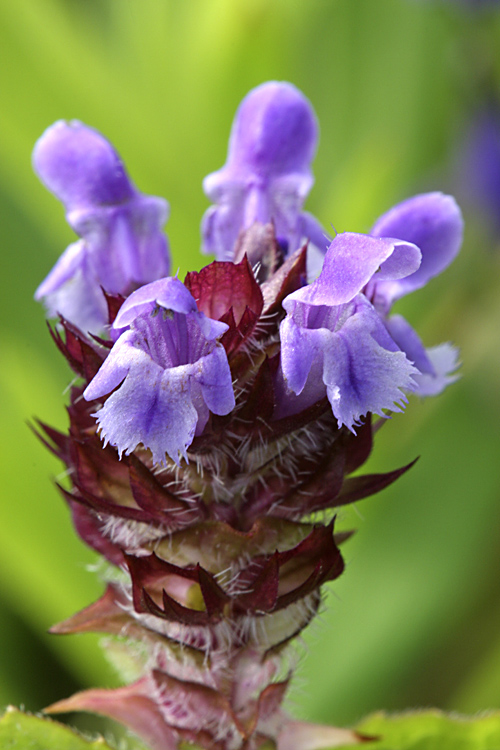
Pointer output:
168, 371
333, 341
121, 246
267, 175
264, 385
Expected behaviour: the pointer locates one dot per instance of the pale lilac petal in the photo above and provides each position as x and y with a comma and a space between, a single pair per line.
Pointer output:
431, 221
65, 268
349, 349
69, 291
298, 350
436, 366
288, 402
125, 243
218, 229
402, 262
361, 376
409, 341
215, 382
350, 263
312, 231
444, 360
154, 407
314, 261
169, 293
124, 356
434, 223
318, 243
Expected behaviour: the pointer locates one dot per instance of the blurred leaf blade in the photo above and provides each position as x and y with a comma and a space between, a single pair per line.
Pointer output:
432, 730
25, 732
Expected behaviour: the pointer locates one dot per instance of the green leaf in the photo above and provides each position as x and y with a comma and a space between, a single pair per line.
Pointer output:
19, 731
432, 730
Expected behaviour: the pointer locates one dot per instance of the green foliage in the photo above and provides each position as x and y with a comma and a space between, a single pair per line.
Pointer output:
432, 730
421, 730
19, 731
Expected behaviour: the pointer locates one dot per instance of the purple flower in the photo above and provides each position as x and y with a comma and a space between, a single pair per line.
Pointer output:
337, 339
121, 246
433, 222
334, 342
168, 370
267, 175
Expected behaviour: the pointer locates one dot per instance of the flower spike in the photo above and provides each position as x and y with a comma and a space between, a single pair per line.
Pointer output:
215, 424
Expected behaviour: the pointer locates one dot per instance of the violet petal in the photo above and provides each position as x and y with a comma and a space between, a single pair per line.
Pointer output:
436, 365
169, 293
267, 174
122, 244
362, 368
350, 263
433, 222
444, 360
409, 341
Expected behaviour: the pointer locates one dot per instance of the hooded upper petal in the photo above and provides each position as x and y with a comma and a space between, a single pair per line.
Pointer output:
274, 133
267, 175
351, 261
80, 167
431, 221
170, 293
122, 243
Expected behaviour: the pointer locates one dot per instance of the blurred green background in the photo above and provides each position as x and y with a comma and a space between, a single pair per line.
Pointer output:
415, 620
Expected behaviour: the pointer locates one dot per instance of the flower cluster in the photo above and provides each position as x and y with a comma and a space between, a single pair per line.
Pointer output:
214, 418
